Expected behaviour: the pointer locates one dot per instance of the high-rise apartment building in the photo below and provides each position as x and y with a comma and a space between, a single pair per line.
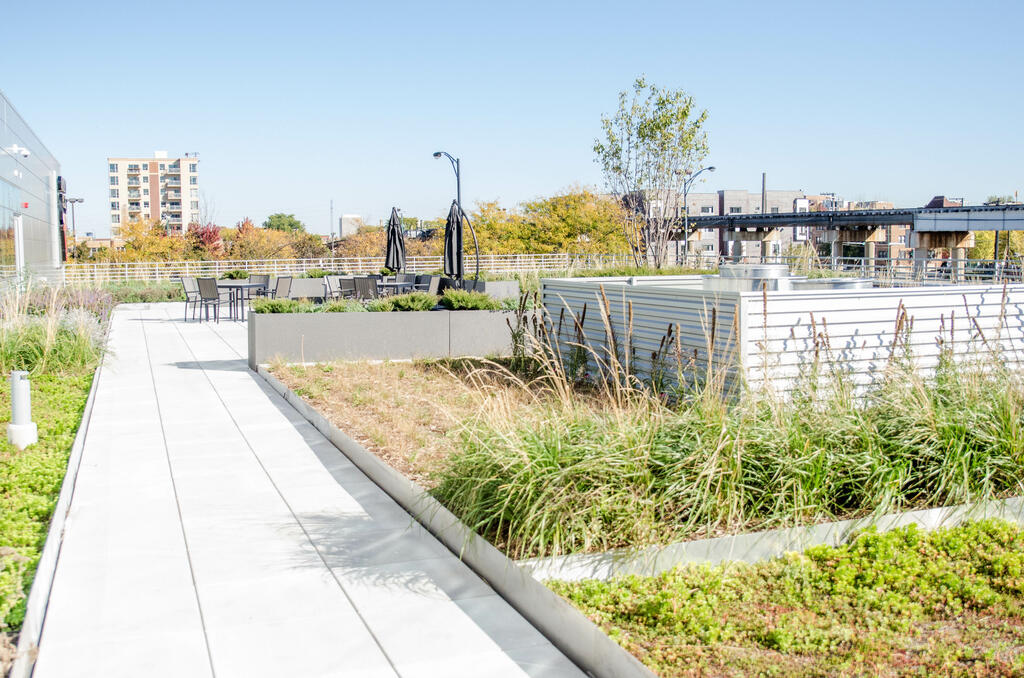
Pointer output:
158, 188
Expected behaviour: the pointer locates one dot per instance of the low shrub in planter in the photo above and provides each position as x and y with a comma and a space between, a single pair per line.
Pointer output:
465, 300
236, 274
319, 273
413, 301
282, 306
343, 306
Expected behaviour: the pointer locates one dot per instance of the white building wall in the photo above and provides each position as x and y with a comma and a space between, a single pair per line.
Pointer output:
28, 199
778, 345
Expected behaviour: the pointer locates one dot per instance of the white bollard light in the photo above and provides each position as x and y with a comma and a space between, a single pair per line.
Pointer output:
22, 431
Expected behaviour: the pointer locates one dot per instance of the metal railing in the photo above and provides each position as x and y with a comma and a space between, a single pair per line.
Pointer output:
901, 270
886, 271
168, 270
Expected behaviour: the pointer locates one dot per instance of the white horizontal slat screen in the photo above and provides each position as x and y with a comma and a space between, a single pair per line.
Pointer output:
859, 329
655, 308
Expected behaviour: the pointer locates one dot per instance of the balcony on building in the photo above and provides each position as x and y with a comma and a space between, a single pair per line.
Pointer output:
133, 169
133, 181
172, 183
134, 194
173, 169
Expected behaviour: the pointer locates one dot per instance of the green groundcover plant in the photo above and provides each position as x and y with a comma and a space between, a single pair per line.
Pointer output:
949, 602
30, 481
57, 335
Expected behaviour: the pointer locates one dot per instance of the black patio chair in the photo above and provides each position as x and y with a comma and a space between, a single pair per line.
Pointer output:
262, 279
191, 289
335, 288
282, 287
210, 295
347, 286
366, 288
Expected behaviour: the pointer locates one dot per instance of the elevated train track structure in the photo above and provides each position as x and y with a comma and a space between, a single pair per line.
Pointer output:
932, 228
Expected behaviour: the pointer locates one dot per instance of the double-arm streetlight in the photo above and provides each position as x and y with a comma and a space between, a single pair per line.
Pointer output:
686, 207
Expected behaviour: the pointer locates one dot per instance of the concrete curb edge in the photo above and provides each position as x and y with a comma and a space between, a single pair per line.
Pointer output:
753, 547
567, 628
39, 595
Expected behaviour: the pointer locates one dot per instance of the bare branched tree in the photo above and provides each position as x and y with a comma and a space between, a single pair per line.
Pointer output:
650, 146
207, 209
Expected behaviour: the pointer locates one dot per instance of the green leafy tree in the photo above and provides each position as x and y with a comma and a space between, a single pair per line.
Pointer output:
308, 246
1000, 200
649, 147
283, 222
576, 221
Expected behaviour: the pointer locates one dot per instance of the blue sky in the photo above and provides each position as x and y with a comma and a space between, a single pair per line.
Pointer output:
291, 105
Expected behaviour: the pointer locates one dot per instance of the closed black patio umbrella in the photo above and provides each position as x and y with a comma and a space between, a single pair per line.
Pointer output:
394, 251
453, 243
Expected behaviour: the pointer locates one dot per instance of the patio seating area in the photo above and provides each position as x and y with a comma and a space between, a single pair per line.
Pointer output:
206, 297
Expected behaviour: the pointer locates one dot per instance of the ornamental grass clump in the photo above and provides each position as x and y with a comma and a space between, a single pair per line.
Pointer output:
604, 460
51, 330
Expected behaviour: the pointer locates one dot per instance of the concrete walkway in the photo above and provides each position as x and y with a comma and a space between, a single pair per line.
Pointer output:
214, 532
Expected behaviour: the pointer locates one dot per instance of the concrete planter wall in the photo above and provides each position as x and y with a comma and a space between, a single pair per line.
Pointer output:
499, 289
753, 547
315, 337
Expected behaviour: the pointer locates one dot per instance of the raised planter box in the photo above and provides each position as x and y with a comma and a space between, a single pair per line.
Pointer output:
316, 337
499, 289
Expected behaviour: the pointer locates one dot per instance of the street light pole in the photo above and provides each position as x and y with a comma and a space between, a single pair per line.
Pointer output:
458, 178
73, 202
686, 209
457, 166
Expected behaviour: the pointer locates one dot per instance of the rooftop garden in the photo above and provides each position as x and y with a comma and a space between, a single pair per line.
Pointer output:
542, 456
57, 336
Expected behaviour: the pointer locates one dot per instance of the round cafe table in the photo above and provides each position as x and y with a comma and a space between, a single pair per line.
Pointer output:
237, 288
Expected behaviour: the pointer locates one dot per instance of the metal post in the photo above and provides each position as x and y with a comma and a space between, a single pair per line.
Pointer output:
21, 432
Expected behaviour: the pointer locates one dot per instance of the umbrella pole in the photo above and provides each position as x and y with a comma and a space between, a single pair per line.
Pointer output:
476, 245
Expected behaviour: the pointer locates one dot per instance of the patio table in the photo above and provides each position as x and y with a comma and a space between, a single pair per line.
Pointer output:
395, 286
236, 289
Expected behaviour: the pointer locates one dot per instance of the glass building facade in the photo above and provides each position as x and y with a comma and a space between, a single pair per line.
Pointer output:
29, 220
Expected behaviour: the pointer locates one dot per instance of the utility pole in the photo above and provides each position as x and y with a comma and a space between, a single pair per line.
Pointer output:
764, 192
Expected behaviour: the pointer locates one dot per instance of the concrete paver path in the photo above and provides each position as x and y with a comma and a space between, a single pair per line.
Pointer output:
214, 532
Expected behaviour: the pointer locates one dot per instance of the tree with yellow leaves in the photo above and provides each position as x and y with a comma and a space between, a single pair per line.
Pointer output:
147, 240
578, 220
